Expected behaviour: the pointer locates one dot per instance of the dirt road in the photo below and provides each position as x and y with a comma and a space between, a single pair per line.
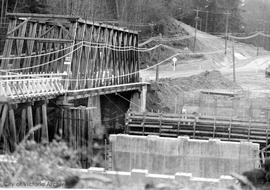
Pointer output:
249, 72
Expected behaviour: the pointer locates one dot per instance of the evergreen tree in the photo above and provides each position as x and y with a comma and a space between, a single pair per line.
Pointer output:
27, 6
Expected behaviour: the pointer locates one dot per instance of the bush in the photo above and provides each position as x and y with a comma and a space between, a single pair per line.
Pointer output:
39, 164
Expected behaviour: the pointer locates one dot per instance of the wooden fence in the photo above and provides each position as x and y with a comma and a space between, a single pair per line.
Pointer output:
198, 127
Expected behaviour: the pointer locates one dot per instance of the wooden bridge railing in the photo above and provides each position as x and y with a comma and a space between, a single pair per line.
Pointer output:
92, 54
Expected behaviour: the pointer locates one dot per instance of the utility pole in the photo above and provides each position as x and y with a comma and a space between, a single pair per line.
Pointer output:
206, 24
157, 67
226, 32
196, 28
233, 56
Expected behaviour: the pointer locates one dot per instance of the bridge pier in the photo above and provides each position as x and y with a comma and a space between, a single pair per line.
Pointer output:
94, 102
143, 98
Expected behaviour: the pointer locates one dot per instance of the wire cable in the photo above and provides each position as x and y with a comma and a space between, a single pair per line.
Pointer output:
43, 64
38, 55
148, 68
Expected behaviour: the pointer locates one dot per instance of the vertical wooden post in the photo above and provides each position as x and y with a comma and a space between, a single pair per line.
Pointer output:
37, 122
30, 119
23, 124
83, 135
3, 118
70, 124
12, 129
44, 133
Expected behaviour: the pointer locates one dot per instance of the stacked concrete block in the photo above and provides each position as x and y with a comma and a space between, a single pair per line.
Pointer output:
139, 178
203, 158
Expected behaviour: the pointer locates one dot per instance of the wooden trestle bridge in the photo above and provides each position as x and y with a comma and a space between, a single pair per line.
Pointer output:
60, 59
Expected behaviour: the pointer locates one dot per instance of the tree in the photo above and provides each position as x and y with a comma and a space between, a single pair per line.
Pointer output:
28, 6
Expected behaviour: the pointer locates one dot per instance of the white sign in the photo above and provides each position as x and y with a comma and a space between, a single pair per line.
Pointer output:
174, 62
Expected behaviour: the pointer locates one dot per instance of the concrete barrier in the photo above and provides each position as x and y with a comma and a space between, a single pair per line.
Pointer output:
203, 158
139, 178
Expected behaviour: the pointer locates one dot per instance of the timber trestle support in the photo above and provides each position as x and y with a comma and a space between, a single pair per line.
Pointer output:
18, 122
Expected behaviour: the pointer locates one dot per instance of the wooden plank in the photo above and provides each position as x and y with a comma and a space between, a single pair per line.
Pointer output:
38, 122
3, 118
83, 135
30, 120
23, 124
13, 131
90, 130
79, 131
70, 128
44, 133
73, 128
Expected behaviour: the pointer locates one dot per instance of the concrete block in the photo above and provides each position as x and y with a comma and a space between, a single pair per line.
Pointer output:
183, 179
156, 158
138, 176
226, 181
